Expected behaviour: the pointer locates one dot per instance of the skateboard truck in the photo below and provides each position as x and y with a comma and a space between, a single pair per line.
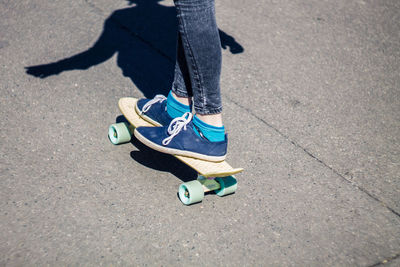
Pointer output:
193, 191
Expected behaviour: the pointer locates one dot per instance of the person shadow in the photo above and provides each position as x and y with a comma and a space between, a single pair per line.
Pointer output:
144, 38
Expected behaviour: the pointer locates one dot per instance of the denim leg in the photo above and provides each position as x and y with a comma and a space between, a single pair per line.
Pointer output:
181, 86
201, 59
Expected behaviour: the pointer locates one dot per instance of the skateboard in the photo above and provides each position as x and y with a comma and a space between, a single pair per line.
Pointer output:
212, 176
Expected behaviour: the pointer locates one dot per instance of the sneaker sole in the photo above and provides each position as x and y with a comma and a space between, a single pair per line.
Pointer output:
177, 152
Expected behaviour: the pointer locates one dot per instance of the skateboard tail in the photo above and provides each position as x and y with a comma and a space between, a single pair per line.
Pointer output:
222, 173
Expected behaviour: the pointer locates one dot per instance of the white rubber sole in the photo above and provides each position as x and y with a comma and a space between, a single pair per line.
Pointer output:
173, 151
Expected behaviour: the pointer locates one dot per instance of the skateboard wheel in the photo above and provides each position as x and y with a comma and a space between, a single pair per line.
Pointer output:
228, 185
191, 192
119, 133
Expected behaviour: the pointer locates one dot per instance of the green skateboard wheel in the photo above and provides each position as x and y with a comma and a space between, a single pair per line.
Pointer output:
119, 133
228, 185
191, 192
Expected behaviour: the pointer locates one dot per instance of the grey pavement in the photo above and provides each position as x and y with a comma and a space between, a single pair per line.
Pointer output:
311, 93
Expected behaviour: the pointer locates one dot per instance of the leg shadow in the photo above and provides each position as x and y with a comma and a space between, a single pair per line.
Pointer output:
144, 38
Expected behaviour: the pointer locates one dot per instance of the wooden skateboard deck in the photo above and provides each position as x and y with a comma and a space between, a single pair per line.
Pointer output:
205, 168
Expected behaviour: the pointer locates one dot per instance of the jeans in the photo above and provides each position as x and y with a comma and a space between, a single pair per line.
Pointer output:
199, 57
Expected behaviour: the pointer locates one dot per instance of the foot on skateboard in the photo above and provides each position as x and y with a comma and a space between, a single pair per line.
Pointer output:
215, 177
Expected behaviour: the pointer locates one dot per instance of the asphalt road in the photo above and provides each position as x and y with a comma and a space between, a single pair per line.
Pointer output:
311, 94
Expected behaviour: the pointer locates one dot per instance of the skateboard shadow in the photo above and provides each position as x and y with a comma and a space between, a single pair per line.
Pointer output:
159, 161
162, 162
144, 38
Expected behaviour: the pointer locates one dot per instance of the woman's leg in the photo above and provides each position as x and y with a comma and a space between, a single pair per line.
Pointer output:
181, 86
198, 64
197, 74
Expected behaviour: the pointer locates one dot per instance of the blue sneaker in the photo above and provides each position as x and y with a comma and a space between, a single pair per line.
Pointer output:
179, 138
154, 110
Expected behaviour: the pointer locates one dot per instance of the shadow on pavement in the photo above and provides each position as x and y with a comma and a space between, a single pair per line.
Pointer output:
162, 162
144, 37
159, 161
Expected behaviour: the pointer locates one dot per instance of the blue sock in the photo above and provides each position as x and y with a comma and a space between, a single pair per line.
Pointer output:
175, 108
212, 133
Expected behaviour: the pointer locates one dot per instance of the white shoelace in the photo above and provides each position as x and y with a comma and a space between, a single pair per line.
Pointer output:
176, 126
157, 98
